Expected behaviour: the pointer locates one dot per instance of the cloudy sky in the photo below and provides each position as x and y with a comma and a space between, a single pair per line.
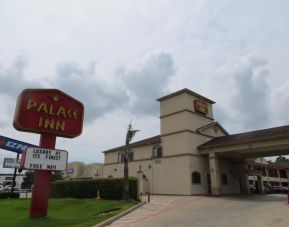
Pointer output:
118, 57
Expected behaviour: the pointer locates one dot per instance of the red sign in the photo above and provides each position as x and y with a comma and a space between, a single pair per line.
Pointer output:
48, 111
201, 106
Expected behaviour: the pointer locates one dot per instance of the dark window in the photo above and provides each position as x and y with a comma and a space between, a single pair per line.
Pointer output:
196, 177
130, 156
8, 178
157, 151
224, 179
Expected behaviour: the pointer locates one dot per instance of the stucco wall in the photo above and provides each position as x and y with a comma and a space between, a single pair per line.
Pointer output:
182, 143
140, 153
233, 173
201, 165
180, 102
182, 121
82, 170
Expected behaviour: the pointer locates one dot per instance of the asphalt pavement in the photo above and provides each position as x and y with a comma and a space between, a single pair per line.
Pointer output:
202, 211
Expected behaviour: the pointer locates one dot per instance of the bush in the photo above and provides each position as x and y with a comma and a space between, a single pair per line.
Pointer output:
108, 188
6, 195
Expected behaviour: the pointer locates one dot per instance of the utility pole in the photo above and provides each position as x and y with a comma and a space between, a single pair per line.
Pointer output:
14, 176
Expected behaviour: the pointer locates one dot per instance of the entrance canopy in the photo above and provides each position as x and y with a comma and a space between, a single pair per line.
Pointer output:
260, 143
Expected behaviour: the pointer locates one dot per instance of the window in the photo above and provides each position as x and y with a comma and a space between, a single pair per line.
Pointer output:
130, 156
224, 179
196, 178
157, 151
121, 156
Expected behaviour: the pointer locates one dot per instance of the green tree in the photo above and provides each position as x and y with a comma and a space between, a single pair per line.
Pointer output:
28, 180
58, 175
281, 159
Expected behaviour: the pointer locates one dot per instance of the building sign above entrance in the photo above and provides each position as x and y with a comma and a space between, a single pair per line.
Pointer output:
44, 159
201, 106
48, 111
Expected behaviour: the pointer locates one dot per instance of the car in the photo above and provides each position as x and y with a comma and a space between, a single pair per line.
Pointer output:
280, 189
268, 188
253, 188
9, 188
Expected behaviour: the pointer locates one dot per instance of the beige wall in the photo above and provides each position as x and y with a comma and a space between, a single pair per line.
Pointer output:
180, 102
201, 165
182, 121
140, 153
165, 175
183, 143
233, 173
81, 170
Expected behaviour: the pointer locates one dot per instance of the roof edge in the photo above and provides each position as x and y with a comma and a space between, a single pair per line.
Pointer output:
186, 90
211, 124
147, 141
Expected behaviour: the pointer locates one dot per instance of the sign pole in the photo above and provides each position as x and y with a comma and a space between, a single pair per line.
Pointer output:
14, 176
41, 184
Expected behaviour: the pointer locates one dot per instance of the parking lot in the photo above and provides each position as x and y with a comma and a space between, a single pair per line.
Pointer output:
227, 211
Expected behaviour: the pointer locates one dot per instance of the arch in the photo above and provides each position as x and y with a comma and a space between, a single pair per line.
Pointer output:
224, 179
157, 151
196, 178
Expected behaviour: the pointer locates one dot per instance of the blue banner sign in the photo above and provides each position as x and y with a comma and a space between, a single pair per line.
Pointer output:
13, 145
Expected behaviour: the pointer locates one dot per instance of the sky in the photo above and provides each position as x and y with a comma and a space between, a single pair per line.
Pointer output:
118, 57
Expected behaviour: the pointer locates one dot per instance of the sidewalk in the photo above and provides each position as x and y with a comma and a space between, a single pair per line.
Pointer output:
145, 212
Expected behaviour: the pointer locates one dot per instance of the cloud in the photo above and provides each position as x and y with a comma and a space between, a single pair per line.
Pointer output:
280, 103
252, 93
248, 93
147, 82
12, 80
82, 83
135, 89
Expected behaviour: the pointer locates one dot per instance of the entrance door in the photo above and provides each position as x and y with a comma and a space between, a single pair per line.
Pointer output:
209, 183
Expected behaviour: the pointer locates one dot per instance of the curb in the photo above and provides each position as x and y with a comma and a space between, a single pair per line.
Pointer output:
112, 219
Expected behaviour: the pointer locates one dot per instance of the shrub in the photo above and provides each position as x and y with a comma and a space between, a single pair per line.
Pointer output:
108, 188
6, 195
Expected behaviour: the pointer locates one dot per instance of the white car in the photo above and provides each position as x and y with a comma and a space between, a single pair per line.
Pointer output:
9, 188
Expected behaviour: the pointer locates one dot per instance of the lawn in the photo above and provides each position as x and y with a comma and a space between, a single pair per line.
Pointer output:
61, 212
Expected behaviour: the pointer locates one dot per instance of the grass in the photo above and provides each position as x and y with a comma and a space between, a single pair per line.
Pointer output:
61, 212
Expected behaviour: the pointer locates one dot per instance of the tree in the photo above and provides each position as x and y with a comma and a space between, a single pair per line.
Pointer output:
28, 180
58, 175
129, 135
281, 159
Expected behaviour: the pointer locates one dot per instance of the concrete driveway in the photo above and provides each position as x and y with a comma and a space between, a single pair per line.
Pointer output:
247, 211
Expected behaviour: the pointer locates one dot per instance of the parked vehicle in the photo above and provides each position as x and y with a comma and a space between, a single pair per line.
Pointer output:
9, 188
268, 188
280, 189
253, 188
